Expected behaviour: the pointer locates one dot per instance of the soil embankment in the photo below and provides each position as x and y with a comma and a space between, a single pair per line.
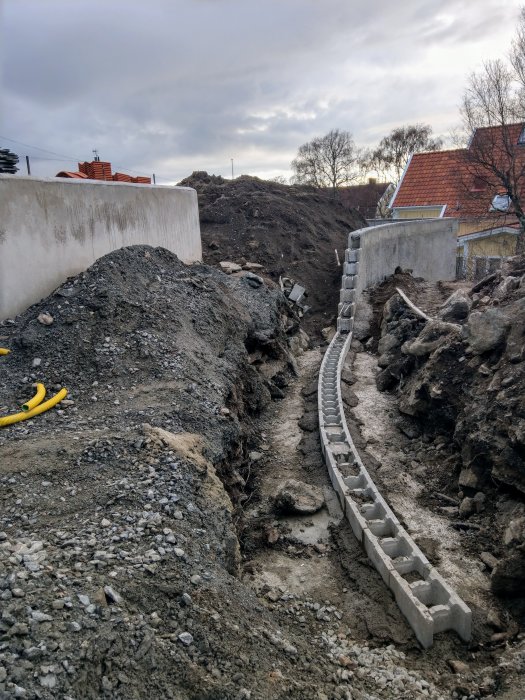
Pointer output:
291, 231
460, 383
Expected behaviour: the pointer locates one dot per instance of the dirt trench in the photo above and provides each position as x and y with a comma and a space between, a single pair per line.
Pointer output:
315, 559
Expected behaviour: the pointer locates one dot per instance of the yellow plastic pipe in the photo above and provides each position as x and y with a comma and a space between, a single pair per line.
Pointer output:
37, 398
17, 417
4, 351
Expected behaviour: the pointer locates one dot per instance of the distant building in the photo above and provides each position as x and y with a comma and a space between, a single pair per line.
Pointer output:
101, 170
370, 200
449, 184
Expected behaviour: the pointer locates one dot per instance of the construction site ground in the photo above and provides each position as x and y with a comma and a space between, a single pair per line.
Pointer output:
141, 550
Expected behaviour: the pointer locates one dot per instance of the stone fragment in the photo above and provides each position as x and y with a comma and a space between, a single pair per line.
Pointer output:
45, 319
328, 333
253, 280
297, 293
456, 307
488, 559
186, 638
295, 496
228, 267
112, 596
459, 667
48, 681
39, 616
486, 330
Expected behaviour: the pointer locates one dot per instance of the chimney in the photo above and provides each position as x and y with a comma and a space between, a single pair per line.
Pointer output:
372, 180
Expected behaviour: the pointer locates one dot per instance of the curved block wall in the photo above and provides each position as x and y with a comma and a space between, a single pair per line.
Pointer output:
424, 597
53, 228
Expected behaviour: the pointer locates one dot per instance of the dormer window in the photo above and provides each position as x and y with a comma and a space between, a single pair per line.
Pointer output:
501, 202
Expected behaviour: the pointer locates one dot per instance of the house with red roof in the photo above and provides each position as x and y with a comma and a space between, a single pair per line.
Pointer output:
454, 184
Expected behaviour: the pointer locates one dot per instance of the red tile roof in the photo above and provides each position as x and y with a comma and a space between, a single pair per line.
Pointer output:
449, 177
431, 179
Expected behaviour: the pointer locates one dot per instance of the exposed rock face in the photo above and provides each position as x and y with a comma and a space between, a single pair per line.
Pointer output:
297, 497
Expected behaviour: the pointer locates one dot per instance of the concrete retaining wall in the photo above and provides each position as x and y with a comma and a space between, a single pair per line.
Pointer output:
425, 599
428, 248
53, 228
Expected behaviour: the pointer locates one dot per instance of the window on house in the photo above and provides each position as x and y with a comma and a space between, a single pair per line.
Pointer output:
521, 138
501, 202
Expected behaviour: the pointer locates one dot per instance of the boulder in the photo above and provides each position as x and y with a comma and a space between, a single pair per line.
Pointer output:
297, 497
487, 330
456, 307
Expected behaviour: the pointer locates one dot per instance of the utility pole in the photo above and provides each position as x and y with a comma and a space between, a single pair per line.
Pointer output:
28, 166
232, 166
154, 181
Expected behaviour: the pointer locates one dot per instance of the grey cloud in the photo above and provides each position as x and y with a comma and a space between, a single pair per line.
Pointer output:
168, 83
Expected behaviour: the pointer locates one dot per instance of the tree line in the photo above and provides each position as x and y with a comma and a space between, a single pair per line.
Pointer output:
333, 160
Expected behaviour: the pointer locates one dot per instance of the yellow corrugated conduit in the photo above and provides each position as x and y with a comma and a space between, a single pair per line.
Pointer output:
37, 398
41, 408
4, 351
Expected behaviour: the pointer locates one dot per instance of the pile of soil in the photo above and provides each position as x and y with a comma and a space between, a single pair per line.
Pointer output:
292, 231
460, 380
119, 556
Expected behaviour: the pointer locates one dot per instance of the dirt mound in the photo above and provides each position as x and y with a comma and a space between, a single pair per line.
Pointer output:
461, 378
118, 543
291, 231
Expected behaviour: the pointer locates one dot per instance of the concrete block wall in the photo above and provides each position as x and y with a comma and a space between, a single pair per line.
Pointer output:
53, 228
425, 599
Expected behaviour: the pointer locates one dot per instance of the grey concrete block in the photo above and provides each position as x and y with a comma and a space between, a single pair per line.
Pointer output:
349, 281
297, 293
429, 604
352, 255
347, 295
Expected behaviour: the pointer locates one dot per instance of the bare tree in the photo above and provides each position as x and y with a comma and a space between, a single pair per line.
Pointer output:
391, 155
327, 161
493, 112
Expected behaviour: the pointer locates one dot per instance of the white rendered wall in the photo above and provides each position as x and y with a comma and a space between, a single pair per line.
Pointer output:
53, 228
428, 248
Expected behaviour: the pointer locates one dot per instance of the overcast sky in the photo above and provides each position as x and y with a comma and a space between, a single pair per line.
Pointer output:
172, 86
